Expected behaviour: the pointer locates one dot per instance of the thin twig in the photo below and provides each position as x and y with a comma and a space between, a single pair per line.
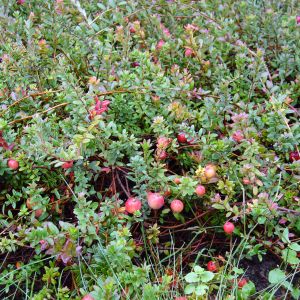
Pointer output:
123, 188
290, 211
190, 221
29, 96
42, 112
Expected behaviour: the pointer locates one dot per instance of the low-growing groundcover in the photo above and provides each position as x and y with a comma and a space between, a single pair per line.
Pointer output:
149, 149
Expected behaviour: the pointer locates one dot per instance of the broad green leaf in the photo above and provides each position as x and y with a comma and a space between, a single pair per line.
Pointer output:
276, 276
201, 290
207, 276
191, 277
248, 290
198, 269
285, 236
189, 289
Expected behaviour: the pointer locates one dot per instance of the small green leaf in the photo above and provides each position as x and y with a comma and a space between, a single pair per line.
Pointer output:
261, 220
287, 285
285, 236
218, 206
237, 270
295, 247
3, 123
296, 293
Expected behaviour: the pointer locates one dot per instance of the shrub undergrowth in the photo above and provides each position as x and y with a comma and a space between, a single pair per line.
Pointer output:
151, 101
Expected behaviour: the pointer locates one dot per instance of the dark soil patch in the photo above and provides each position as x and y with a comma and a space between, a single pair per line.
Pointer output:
257, 271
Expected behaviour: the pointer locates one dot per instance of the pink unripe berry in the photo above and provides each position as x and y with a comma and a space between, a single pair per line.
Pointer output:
200, 190
13, 164
298, 20
228, 227
155, 200
188, 52
132, 205
177, 206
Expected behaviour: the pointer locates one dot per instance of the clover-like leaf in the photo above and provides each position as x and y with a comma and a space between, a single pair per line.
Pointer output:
276, 276
290, 256
189, 289
295, 247
191, 277
201, 290
206, 276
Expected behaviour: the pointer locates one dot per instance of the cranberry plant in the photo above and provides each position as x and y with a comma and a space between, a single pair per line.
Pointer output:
149, 149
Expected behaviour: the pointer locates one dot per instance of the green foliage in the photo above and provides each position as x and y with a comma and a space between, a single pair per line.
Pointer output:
87, 91
198, 281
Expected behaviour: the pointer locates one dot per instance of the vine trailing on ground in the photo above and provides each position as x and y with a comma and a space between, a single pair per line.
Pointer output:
149, 149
